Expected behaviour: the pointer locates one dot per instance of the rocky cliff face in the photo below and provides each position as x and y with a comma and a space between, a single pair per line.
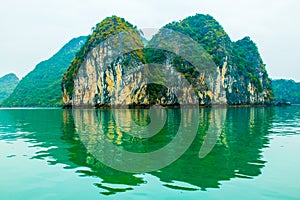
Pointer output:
96, 75
103, 75
240, 70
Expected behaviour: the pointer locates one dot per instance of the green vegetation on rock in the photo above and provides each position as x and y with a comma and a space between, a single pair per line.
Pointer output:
42, 86
7, 85
249, 63
205, 30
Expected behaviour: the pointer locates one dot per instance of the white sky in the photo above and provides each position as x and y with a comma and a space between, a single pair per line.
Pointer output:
33, 30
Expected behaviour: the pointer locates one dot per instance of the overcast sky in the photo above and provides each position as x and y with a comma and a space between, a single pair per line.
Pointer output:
33, 30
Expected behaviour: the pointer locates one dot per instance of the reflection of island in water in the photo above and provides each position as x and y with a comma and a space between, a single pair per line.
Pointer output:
236, 154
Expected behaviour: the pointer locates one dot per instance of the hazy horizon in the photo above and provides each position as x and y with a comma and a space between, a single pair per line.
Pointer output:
33, 31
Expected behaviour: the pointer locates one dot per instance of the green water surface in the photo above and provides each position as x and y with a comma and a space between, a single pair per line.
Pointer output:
256, 156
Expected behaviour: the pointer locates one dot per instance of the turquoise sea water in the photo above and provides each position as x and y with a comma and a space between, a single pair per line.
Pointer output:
43, 155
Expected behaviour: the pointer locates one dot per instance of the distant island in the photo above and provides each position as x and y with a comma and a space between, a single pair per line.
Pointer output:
57, 82
7, 85
286, 91
42, 86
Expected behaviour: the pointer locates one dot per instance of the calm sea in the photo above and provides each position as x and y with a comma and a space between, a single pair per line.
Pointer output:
252, 153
